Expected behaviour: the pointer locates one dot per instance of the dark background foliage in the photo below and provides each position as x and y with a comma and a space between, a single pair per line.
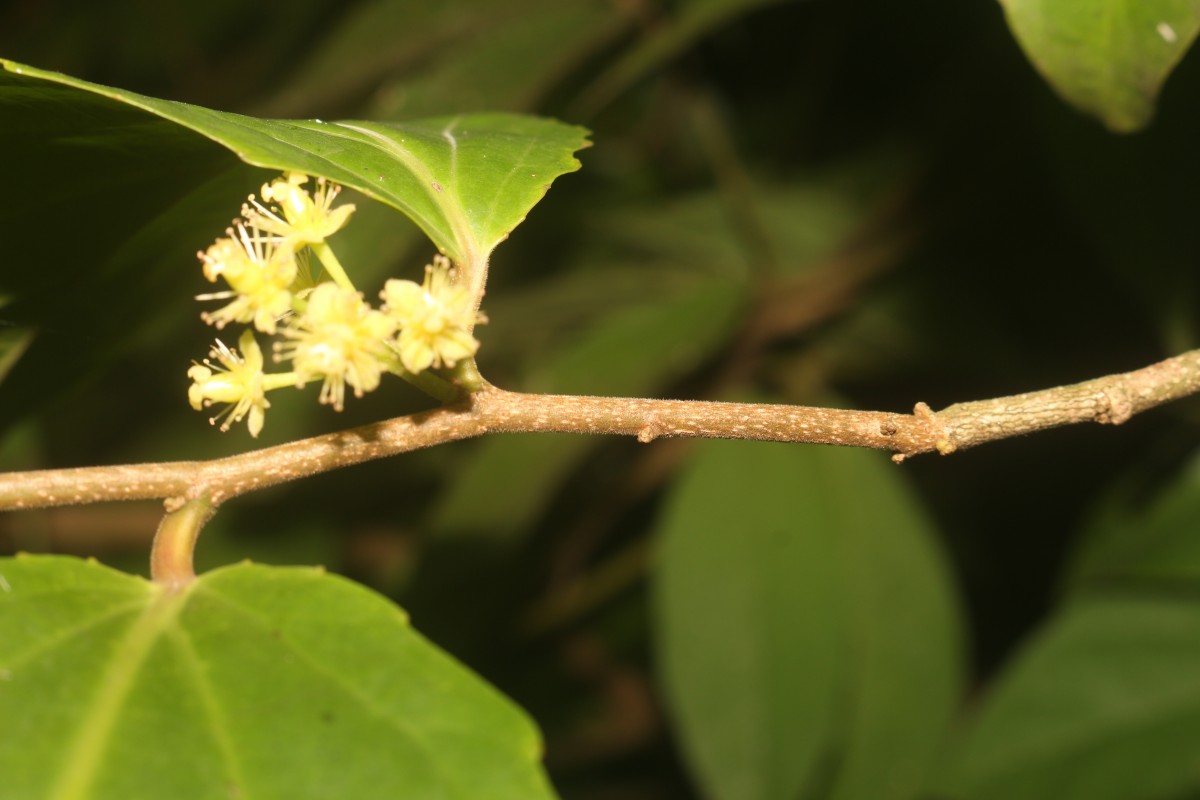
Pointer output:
858, 203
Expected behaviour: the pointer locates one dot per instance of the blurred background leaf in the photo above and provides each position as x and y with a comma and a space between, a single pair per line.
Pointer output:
1103, 704
1103, 700
1139, 543
1109, 58
634, 352
787, 605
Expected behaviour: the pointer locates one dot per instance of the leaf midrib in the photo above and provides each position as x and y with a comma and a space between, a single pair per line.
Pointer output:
82, 761
459, 225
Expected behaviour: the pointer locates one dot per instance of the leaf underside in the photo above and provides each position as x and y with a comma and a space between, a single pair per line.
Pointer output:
466, 180
1109, 58
112, 203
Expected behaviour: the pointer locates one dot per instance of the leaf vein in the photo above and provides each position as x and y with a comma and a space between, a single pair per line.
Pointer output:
459, 226
449, 778
217, 718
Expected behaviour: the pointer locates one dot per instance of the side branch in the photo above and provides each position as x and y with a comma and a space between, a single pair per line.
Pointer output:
1109, 400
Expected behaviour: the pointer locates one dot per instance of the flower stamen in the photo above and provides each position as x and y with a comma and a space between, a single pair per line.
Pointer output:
301, 219
259, 270
236, 381
340, 339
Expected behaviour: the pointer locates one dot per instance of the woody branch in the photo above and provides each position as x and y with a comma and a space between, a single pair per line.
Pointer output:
1108, 400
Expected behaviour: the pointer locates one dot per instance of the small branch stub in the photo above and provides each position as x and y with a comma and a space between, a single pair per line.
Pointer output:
943, 441
650, 431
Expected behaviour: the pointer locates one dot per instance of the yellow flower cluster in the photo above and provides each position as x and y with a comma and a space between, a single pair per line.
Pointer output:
340, 339
330, 332
432, 318
237, 381
259, 271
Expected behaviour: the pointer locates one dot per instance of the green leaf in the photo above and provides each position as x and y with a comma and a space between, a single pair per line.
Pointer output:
1104, 702
809, 643
1109, 58
1103, 705
1144, 544
252, 682
140, 194
108, 206
466, 180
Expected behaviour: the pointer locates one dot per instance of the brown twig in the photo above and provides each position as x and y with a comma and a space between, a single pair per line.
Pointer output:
1109, 400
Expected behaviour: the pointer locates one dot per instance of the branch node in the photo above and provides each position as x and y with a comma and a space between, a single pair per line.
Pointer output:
650, 431
943, 439
1119, 406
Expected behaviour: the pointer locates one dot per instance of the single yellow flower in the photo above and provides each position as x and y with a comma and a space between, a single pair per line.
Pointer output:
260, 271
338, 338
433, 318
306, 219
237, 381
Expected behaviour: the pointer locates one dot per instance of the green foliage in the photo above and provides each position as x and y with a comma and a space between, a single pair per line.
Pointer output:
1147, 546
1102, 705
467, 181
133, 190
872, 200
1103, 702
809, 642
252, 682
1108, 57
